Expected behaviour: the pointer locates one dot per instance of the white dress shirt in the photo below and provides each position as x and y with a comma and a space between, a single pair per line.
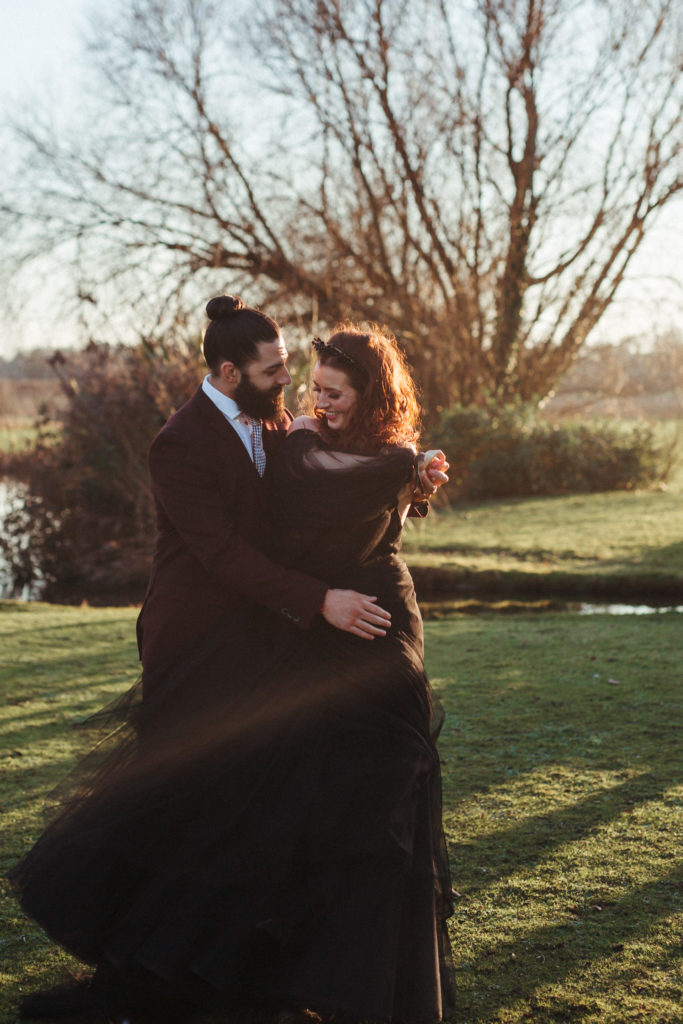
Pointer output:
232, 412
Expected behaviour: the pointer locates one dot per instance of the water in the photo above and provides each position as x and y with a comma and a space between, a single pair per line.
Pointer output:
11, 492
440, 609
628, 609
4, 508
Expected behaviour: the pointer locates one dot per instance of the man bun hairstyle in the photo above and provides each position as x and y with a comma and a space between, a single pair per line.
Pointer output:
235, 332
223, 306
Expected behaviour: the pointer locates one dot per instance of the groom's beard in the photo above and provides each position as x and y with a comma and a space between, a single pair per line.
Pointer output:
260, 405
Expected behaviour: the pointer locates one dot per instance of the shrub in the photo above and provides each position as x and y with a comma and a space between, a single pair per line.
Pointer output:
512, 452
86, 523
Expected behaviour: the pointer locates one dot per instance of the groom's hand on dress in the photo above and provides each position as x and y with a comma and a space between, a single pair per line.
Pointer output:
355, 613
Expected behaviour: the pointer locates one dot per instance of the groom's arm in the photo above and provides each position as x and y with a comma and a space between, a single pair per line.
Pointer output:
190, 504
186, 492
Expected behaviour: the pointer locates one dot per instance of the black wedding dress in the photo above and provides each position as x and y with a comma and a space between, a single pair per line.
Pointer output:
264, 824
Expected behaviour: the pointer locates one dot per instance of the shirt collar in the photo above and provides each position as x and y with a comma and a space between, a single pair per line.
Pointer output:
228, 406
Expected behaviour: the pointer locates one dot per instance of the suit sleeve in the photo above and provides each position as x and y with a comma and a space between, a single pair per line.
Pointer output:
185, 489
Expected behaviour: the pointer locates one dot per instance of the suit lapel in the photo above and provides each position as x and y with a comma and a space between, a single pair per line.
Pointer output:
225, 442
228, 445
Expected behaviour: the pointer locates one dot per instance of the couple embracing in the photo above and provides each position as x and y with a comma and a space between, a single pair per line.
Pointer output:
263, 828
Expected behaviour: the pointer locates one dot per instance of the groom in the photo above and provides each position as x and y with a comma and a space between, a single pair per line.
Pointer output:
209, 467
211, 560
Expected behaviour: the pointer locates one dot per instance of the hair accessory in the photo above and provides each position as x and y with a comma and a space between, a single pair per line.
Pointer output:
324, 346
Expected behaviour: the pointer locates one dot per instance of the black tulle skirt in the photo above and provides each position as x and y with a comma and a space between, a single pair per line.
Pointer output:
263, 823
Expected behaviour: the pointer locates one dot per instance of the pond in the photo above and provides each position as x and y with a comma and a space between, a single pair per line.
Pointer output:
442, 609
11, 494
628, 609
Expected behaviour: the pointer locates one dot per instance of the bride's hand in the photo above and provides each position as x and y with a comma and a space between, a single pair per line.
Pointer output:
431, 468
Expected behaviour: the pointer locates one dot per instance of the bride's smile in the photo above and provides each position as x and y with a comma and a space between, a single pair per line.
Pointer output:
334, 396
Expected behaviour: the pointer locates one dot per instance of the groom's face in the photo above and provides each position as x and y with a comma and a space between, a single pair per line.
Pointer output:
260, 392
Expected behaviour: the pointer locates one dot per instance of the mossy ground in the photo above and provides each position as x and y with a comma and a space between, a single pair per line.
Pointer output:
562, 795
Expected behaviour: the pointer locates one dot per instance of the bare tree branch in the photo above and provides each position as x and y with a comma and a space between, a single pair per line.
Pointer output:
478, 175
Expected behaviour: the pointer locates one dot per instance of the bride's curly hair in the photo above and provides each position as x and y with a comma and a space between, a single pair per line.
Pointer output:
387, 412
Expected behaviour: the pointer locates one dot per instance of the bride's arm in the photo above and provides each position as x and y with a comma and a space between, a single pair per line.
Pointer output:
340, 461
406, 501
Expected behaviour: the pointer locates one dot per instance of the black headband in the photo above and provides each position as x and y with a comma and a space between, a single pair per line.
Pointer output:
324, 346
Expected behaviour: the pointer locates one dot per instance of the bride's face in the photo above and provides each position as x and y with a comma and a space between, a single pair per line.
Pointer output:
334, 396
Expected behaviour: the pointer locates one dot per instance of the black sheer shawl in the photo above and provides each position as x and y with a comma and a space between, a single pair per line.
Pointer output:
336, 509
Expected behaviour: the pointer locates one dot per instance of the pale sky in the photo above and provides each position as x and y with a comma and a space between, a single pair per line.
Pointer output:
39, 41
40, 50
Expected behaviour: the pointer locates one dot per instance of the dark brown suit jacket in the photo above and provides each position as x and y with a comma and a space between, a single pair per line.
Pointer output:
213, 536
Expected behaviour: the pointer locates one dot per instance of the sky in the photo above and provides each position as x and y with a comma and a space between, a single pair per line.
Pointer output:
41, 49
39, 40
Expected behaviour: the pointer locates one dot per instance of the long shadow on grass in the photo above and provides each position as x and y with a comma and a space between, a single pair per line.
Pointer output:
25, 783
53, 714
51, 731
530, 733
52, 722
519, 967
61, 630
55, 669
65, 723
523, 846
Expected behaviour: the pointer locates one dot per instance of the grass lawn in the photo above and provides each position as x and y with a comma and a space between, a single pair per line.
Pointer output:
562, 794
563, 797
620, 543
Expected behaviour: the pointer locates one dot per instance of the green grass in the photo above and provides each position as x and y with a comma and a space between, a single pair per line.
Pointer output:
563, 797
614, 544
628, 543
562, 794
56, 666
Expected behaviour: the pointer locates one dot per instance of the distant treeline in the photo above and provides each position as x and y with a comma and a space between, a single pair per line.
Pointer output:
31, 365
27, 398
624, 381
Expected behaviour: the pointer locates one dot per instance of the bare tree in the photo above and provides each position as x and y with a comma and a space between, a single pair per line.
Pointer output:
476, 173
